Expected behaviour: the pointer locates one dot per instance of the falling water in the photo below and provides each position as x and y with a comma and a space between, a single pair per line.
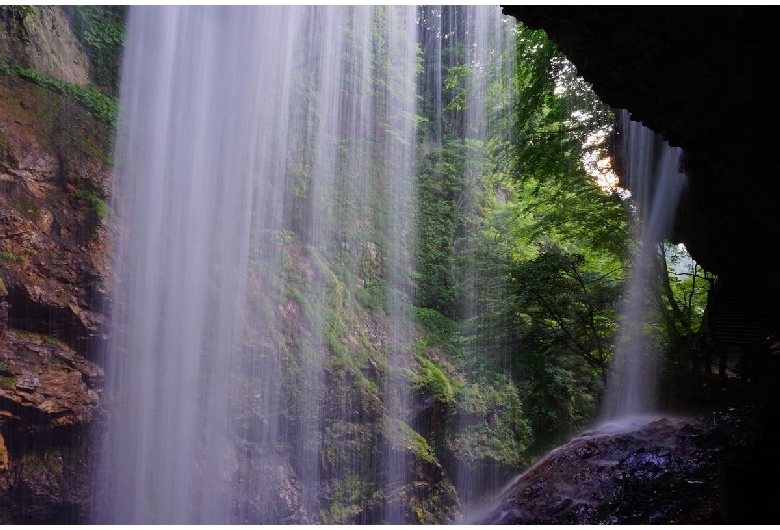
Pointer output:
477, 43
253, 144
489, 48
655, 180
652, 170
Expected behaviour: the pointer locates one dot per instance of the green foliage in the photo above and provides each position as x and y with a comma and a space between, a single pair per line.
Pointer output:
492, 428
447, 180
441, 329
561, 124
454, 82
570, 306
539, 243
678, 305
101, 29
101, 106
98, 205
560, 392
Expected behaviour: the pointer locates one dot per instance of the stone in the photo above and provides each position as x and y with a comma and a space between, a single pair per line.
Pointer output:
51, 48
3, 455
44, 375
647, 473
54, 286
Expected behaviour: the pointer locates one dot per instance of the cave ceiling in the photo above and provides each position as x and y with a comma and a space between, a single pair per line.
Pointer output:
703, 77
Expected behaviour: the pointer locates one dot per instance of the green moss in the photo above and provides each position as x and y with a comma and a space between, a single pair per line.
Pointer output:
49, 463
30, 336
10, 256
30, 208
98, 205
103, 107
13, 17
440, 327
345, 500
373, 295
102, 31
3, 289
25, 11
432, 380
437, 331
493, 430
76, 143
8, 382
402, 437
350, 485
472, 401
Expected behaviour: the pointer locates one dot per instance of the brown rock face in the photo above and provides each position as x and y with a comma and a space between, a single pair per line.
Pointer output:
3, 455
54, 179
43, 41
53, 241
44, 381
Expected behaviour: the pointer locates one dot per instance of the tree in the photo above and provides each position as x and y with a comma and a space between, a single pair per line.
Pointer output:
568, 305
563, 239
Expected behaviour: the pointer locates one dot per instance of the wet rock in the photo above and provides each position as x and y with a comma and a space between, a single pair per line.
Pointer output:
3, 454
267, 489
48, 394
47, 485
54, 247
54, 278
648, 471
43, 379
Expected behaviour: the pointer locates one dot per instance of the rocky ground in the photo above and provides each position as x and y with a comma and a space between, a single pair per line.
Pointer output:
711, 467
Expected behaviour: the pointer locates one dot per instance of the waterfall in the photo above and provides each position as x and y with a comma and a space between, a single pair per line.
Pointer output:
489, 48
469, 93
656, 181
254, 145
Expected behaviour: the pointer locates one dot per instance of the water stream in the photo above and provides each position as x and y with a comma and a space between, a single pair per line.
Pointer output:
488, 52
252, 142
656, 181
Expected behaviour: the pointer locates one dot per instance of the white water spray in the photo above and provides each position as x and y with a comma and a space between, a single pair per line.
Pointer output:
656, 183
233, 131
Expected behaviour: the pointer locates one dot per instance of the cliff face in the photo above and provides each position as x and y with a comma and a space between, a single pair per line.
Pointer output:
54, 179
55, 274
42, 39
